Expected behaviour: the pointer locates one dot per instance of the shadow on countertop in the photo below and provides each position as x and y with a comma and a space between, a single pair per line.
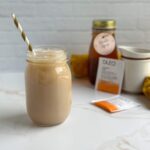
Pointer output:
19, 124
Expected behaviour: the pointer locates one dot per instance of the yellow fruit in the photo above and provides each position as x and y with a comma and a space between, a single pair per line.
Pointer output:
79, 65
146, 87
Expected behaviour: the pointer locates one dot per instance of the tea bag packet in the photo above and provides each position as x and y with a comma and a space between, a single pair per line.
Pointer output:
110, 75
115, 104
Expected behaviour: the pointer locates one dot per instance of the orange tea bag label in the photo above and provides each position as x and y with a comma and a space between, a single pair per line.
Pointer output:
115, 104
110, 75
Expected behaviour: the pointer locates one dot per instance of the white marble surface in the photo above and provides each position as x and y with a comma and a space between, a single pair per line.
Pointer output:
87, 127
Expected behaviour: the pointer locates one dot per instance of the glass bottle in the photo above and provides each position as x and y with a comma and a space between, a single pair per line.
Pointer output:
103, 44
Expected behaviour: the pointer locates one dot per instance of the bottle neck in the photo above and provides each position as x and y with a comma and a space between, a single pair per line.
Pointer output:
98, 31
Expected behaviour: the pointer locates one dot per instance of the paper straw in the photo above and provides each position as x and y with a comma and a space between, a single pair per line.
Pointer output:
19, 27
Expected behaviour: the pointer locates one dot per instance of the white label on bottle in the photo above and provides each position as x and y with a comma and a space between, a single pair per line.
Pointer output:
104, 43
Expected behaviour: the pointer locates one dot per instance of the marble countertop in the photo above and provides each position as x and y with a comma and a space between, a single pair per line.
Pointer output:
87, 127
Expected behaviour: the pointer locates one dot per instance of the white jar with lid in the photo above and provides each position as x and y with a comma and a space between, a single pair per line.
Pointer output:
137, 67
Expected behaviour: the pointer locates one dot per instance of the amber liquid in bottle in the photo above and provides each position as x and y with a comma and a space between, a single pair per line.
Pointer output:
94, 55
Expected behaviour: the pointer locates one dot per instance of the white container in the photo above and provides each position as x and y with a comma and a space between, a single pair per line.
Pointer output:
137, 67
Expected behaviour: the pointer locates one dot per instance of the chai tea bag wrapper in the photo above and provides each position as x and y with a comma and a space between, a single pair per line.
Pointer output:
110, 75
115, 104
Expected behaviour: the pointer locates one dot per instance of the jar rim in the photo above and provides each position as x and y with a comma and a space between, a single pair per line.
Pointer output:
46, 54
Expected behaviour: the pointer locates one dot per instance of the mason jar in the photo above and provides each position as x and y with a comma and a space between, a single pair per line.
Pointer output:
48, 86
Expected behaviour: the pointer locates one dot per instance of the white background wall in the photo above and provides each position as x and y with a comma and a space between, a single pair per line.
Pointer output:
68, 23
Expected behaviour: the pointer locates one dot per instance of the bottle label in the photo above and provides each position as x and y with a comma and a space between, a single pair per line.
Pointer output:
104, 43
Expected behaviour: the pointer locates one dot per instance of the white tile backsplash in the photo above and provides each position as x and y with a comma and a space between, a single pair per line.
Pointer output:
68, 23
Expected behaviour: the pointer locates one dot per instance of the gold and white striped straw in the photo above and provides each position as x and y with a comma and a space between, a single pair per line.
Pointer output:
25, 38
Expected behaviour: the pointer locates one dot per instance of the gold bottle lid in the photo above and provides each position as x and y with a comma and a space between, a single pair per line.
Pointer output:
104, 24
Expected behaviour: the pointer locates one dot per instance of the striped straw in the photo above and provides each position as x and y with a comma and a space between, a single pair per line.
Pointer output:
25, 38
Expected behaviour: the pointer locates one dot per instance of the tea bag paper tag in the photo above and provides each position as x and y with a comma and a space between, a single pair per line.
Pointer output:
109, 75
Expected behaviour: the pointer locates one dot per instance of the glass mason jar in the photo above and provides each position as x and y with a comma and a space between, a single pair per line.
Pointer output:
48, 86
103, 44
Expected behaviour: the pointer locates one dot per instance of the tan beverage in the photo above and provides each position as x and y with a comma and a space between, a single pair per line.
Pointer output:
48, 86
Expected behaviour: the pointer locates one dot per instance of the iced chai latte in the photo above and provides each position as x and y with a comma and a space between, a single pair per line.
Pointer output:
48, 86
